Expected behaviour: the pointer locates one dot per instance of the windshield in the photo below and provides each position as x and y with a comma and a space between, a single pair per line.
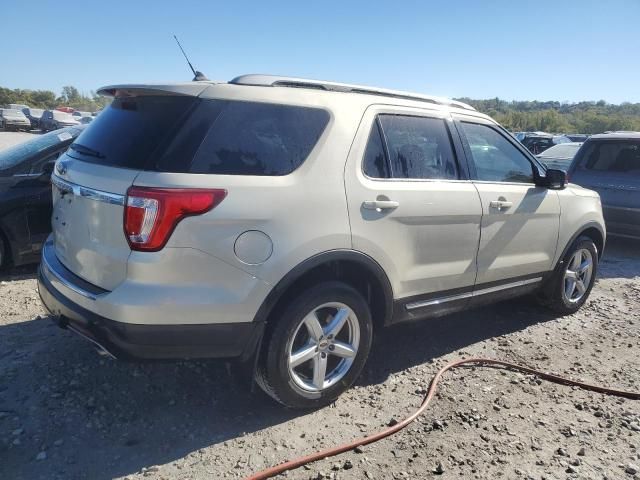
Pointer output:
36, 112
11, 112
16, 154
561, 151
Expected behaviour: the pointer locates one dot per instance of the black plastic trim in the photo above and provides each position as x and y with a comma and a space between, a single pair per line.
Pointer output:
150, 342
322, 258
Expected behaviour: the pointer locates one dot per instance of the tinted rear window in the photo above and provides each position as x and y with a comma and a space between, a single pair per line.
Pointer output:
616, 156
130, 130
190, 135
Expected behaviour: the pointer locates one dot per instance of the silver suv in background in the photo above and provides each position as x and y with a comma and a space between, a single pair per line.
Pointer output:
610, 164
287, 220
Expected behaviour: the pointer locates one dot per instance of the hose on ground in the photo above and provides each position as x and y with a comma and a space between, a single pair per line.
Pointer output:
482, 362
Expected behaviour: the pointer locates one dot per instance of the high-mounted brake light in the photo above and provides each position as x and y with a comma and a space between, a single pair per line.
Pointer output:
151, 214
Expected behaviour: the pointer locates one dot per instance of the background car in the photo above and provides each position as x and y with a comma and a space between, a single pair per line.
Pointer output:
577, 137
11, 119
610, 165
560, 156
537, 143
79, 114
54, 119
25, 194
17, 106
34, 115
86, 120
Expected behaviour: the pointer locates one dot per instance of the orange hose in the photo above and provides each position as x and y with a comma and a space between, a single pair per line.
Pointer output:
330, 452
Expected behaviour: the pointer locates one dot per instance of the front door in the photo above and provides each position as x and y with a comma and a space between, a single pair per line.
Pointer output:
411, 206
520, 221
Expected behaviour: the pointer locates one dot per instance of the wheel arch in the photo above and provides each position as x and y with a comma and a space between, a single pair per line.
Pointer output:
354, 268
592, 230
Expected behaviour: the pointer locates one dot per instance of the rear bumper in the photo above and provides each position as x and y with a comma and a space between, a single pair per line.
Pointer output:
144, 341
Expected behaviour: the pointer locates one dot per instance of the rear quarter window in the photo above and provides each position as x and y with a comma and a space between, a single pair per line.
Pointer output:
248, 138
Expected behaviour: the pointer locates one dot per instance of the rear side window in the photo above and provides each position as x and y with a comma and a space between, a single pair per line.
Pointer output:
418, 148
132, 129
618, 156
247, 138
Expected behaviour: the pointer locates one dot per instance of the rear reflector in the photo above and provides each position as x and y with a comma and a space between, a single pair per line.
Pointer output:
151, 214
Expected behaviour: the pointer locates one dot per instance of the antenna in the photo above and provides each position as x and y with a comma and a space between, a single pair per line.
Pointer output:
197, 76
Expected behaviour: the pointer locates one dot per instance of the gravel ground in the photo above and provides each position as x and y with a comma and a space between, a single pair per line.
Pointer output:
67, 413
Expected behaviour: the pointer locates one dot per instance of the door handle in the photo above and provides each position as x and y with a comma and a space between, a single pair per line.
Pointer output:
380, 204
500, 204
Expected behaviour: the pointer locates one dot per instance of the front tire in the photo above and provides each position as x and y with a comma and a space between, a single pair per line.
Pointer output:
316, 347
574, 278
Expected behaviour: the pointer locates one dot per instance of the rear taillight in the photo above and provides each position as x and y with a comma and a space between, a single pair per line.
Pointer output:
151, 214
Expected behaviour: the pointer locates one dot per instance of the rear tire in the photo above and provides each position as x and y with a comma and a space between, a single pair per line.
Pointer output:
573, 279
316, 347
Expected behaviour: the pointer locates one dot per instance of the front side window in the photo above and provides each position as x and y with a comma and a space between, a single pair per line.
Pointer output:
616, 156
418, 148
494, 157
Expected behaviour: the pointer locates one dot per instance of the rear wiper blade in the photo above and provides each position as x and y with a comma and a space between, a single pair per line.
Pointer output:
86, 150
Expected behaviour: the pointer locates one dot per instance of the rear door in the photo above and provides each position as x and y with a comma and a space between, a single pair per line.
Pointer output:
612, 168
91, 181
411, 205
520, 221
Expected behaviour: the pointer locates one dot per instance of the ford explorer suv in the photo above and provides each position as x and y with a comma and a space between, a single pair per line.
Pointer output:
285, 221
610, 164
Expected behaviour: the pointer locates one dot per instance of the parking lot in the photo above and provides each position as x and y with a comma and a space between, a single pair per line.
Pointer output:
67, 413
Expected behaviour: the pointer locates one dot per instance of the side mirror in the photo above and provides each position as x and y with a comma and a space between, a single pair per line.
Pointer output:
554, 179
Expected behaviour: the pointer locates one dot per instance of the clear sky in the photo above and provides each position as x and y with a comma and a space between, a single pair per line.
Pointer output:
566, 50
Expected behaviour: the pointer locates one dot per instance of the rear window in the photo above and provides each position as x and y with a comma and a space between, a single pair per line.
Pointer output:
617, 156
131, 129
561, 151
190, 135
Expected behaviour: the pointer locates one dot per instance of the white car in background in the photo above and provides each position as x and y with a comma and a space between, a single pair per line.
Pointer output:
12, 119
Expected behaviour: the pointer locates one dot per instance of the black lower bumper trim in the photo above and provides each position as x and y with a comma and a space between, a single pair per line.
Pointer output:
151, 342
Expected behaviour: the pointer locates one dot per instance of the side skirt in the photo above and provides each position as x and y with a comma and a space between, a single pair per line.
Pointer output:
443, 303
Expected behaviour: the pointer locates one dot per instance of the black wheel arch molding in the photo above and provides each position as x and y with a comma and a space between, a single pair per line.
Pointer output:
325, 259
583, 230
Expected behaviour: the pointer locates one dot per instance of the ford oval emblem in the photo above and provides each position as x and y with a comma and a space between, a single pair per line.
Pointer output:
61, 167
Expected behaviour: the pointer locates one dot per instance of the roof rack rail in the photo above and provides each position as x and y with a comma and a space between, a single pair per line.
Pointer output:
292, 82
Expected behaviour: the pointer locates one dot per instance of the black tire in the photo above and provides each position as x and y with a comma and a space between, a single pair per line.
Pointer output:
272, 373
554, 295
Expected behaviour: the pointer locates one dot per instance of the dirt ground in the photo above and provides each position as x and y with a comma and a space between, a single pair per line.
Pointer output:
8, 139
66, 413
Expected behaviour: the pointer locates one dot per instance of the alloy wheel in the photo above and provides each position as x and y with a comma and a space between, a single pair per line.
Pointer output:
577, 276
323, 347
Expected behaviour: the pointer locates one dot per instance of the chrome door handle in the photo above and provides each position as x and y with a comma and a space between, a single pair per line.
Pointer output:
500, 204
380, 204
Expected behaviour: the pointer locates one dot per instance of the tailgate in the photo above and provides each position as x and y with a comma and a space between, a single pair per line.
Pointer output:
88, 208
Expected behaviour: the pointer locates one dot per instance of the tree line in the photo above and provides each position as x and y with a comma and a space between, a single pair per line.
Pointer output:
70, 97
551, 116
557, 117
